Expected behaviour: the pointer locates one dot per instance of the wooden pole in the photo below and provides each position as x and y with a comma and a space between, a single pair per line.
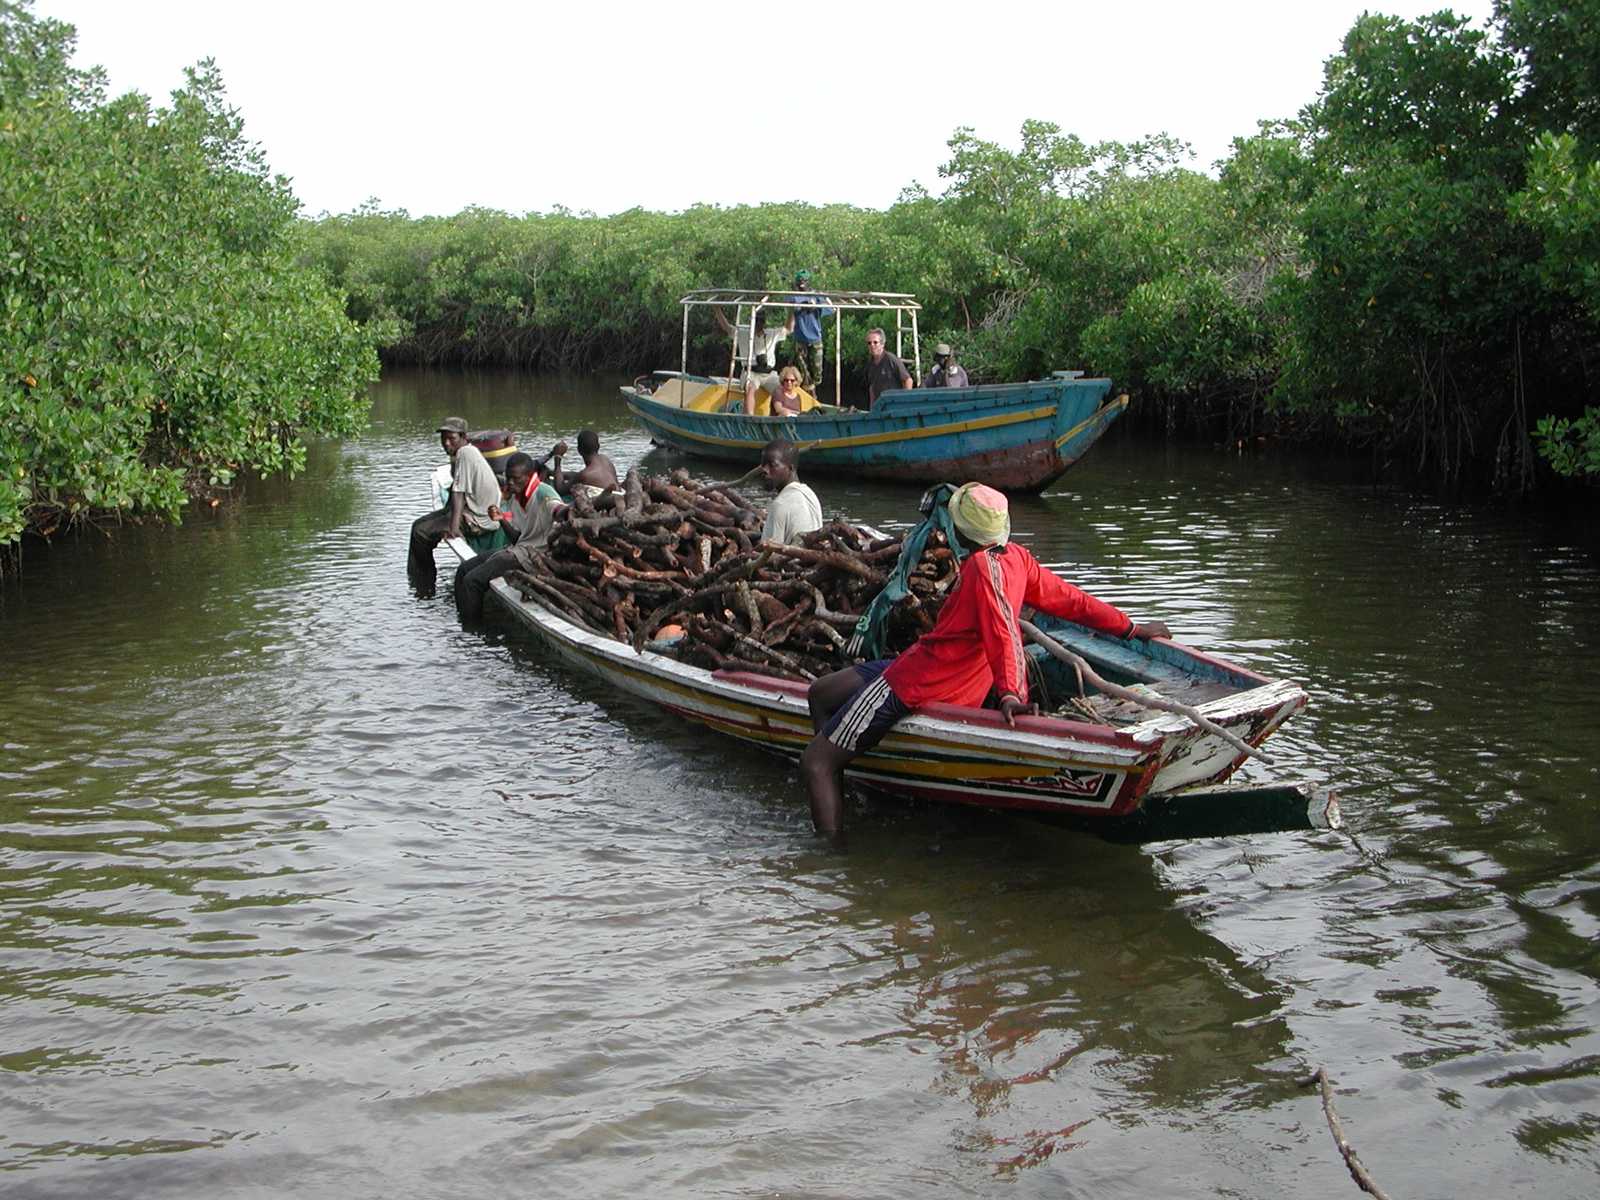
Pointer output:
749, 475
838, 355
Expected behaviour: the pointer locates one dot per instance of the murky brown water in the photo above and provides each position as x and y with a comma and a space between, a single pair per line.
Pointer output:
303, 890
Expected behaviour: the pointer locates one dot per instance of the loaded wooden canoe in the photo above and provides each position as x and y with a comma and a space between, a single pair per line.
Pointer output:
1144, 776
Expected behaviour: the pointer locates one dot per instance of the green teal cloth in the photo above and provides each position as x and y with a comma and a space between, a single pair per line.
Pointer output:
867, 640
493, 539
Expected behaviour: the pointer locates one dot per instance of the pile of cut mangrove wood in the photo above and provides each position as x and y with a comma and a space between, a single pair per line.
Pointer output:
676, 563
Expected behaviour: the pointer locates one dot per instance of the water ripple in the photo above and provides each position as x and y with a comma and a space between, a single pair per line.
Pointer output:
302, 887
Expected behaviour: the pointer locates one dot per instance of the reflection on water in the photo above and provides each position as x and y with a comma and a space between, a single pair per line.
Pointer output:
303, 888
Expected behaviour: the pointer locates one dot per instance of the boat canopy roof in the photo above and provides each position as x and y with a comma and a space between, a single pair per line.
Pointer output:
762, 297
750, 301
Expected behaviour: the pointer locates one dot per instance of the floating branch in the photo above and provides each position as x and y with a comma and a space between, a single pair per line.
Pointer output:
1358, 1170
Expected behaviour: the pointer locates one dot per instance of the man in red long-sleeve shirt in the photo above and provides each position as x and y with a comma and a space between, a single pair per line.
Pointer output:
975, 646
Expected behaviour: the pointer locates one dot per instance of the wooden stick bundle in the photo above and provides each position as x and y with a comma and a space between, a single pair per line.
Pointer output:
667, 550
670, 551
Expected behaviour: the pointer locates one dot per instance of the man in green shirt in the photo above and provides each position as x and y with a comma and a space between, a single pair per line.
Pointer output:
473, 490
534, 508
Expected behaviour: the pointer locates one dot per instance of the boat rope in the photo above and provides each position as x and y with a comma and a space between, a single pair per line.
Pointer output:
1086, 674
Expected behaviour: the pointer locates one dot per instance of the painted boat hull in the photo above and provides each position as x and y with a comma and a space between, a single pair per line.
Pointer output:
1091, 776
1016, 436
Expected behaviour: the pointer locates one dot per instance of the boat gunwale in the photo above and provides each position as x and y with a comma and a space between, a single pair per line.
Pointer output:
906, 403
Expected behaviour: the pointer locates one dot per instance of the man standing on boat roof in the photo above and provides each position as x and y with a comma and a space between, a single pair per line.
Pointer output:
885, 371
946, 371
795, 509
975, 646
473, 490
807, 317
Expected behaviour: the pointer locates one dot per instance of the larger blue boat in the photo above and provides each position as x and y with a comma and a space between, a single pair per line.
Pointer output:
1016, 436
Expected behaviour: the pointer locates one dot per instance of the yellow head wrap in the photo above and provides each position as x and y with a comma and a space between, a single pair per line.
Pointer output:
980, 513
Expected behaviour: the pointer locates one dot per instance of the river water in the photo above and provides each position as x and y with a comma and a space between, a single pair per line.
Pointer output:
304, 890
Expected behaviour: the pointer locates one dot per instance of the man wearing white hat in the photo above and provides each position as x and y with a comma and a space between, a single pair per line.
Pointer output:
973, 648
946, 371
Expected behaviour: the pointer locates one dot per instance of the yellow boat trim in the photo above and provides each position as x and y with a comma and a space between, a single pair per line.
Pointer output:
865, 439
1120, 402
954, 770
799, 733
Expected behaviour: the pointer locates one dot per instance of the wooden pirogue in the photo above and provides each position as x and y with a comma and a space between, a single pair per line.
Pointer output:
1017, 436
1125, 772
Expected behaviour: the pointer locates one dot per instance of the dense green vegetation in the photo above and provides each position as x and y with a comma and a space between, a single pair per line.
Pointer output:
1411, 264
158, 331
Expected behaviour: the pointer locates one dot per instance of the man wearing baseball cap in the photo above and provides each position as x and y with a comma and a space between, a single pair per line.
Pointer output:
974, 648
473, 490
946, 372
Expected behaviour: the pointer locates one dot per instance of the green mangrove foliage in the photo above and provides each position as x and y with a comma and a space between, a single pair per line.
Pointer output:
158, 333
1561, 203
563, 290
1411, 264
1424, 313
1021, 255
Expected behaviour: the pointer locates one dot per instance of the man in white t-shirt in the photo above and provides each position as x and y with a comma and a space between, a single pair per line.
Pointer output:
795, 509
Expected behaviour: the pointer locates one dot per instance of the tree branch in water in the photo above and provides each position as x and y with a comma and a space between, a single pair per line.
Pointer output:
1358, 1170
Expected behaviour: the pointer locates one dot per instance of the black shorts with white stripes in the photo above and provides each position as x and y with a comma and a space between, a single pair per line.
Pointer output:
873, 709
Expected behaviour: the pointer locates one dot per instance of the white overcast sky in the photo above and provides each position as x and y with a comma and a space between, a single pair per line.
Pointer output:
603, 105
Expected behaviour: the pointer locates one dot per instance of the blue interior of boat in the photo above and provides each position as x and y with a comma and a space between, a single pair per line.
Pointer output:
1161, 665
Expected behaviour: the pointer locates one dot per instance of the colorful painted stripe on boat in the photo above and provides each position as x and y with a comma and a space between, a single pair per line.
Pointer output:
842, 443
1117, 405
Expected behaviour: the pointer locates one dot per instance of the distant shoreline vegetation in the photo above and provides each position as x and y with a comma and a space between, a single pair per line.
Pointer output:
1410, 267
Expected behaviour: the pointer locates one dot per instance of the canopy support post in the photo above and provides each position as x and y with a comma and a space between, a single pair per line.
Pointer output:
838, 354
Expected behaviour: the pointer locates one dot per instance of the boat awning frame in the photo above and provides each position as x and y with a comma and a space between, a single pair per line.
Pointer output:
750, 301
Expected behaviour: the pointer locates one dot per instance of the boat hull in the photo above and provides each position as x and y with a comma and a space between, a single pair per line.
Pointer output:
1019, 437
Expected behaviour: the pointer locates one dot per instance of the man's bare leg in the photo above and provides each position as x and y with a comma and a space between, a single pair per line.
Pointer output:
827, 694
822, 767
